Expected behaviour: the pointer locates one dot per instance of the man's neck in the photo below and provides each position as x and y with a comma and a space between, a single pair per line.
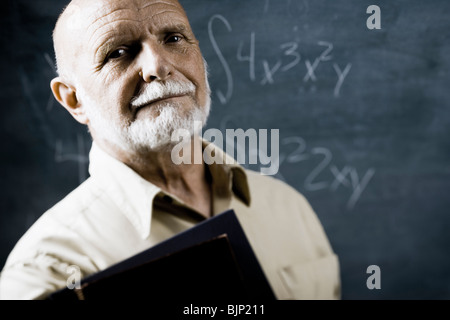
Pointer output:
188, 182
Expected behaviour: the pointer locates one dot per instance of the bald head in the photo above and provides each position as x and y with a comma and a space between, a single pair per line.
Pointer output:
65, 35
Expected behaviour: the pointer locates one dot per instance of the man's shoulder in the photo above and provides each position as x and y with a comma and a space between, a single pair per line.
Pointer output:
55, 241
61, 219
77, 201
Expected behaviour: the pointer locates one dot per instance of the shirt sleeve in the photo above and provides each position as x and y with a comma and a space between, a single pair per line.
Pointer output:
44, 260
33, 278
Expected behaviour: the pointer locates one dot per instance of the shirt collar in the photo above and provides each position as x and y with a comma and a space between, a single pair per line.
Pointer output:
134, 195
227, 173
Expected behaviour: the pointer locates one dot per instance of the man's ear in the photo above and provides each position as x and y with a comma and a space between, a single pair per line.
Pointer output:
66, 96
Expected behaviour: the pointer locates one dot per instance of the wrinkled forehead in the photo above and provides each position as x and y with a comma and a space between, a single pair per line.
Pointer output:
89, 16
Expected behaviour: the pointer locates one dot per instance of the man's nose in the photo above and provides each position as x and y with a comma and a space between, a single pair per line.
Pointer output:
154, 64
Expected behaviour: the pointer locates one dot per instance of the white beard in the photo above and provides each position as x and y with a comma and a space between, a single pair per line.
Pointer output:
155, 133
145, 134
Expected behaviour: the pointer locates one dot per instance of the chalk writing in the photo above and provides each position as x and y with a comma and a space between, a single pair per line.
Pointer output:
324, 158
290, 50
341, 76
36, 110
79, 157
250, 58
269, 71
288, 61
223, 98
324, 175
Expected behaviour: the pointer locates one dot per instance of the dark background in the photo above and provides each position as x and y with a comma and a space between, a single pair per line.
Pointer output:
371, 155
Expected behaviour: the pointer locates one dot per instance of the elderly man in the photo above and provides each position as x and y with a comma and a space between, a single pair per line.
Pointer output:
132, 71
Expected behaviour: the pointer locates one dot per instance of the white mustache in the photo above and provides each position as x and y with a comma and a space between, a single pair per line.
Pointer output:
161, 90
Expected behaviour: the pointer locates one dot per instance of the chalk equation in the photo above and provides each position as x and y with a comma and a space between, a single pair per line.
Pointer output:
347, 176
294, 150
289, 60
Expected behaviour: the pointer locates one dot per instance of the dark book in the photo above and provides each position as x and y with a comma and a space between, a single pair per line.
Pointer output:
212, 261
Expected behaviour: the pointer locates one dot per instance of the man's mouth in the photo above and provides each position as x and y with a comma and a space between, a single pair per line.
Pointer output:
147, 103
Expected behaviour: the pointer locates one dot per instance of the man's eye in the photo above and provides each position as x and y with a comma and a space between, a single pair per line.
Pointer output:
117, 53
173, 38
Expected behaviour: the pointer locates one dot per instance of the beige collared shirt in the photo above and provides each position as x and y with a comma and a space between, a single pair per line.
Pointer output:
115, 214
